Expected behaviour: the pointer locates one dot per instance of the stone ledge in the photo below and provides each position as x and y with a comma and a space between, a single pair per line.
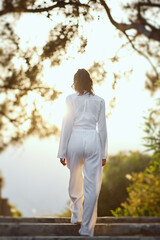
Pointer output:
65, 229
80, 238
67, 220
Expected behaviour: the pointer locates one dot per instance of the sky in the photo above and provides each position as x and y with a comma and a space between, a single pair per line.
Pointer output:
35, 181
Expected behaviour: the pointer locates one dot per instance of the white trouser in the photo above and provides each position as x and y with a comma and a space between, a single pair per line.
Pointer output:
84, 154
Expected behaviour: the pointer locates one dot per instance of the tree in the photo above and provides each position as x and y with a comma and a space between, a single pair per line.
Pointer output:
14, 211
21, 82
141, 28
144, 189
144, 194
114, 184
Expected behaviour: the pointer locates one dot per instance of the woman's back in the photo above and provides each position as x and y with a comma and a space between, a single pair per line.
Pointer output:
86, 110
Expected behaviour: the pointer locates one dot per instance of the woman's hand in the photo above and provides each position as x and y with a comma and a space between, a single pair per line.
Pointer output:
62, 160
103, 162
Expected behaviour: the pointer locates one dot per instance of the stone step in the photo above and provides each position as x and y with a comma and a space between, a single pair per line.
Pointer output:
66, 229
67, 220
80, 238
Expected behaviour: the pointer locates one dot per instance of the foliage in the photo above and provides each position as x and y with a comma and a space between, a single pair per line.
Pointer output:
144, 190
113, 190
15, 212
66, 212
144, 194
152, 130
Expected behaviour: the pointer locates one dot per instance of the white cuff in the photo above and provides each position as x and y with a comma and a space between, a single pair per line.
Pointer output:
59, 156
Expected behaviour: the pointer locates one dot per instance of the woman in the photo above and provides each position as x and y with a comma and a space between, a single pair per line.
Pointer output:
83, 147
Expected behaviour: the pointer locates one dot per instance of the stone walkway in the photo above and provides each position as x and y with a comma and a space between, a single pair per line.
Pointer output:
111, 228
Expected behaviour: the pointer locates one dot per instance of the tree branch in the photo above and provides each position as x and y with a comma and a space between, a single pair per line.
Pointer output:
59, 4
155, 34
142, 19
139, 27
148, 4
24, 89
143, 54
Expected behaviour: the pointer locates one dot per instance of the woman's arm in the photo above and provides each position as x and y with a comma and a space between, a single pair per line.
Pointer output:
102, 129
66, 129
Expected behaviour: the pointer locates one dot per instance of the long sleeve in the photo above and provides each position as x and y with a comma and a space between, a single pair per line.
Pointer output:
66, 129
102, 129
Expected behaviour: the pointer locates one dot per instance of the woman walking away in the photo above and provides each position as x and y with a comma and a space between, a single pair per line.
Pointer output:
83, 147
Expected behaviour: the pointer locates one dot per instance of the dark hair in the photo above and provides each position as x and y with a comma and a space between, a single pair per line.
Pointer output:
83, 82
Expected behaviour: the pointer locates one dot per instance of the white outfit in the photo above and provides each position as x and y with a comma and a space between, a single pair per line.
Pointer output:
83, 144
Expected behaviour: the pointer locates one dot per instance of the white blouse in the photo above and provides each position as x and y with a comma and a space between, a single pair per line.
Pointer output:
84, 112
